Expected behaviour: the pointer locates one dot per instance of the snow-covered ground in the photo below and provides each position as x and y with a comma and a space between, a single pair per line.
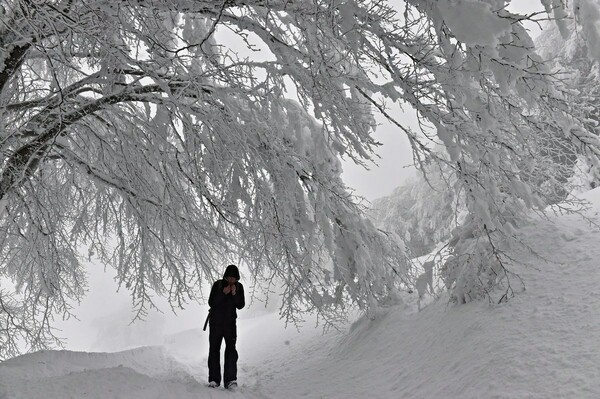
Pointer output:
544, 343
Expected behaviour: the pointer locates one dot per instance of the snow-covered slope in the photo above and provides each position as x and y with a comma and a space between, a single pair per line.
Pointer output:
544, 343
139, 373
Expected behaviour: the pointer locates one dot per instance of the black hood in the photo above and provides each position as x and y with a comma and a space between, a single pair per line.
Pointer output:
232, 271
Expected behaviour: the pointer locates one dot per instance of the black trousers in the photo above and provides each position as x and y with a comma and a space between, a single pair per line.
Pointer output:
220, 330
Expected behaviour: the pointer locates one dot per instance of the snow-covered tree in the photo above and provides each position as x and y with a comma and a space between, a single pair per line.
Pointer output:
571, 57
136, 130
423, 211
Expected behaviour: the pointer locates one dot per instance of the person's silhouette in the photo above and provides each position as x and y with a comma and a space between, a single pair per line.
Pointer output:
226, 296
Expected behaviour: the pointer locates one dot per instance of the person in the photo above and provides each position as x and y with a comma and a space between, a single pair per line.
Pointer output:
225, 297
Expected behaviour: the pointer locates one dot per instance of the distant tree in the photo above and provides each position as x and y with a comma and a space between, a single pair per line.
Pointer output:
135, 130
423, 211
572, 58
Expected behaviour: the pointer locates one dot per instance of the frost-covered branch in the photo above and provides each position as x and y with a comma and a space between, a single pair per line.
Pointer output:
132, 129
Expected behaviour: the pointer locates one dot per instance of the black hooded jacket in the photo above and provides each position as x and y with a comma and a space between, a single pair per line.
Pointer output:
223, 306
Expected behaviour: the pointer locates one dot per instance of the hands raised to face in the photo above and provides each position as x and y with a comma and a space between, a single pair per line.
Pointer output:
231, 287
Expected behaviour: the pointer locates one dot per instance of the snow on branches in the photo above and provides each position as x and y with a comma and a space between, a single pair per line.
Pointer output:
131, 132
166, 137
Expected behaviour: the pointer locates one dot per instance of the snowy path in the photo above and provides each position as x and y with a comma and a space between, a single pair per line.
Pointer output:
141, 373
544, 343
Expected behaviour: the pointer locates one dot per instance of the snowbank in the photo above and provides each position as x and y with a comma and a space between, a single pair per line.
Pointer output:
140, 373
544, 343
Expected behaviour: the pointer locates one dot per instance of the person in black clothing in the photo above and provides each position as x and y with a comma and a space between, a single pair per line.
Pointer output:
226, 296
